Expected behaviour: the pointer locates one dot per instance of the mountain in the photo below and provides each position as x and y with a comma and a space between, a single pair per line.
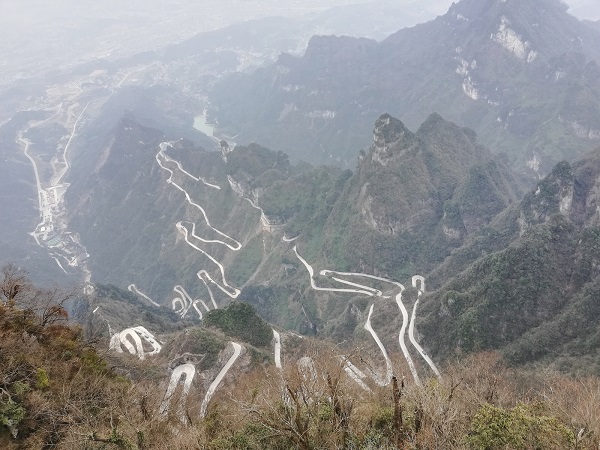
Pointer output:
237, 297
522, 74
415, 196
164, 88
505, 270
167, 219
537, 295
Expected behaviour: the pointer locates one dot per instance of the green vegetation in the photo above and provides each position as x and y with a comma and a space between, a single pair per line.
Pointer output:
528, 281
254, 161
57, 391
477, 406
494, 428
241, 321
247, 261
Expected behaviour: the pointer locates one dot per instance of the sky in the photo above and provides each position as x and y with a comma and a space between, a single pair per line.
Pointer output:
585, 9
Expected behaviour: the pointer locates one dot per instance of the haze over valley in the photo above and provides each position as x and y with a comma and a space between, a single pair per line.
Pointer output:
350, 224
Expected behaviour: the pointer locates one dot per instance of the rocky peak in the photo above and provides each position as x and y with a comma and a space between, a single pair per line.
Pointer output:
436, 125
572, 191
586, 198
527, 28
438, 177
553, 195
390, 134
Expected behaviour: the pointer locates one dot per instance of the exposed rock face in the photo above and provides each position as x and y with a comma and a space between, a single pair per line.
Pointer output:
585, 207
521, 73
390, 134
529, 283
412, 178
554, 195
572, 191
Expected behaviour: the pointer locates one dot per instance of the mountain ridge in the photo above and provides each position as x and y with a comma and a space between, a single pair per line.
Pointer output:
492, 72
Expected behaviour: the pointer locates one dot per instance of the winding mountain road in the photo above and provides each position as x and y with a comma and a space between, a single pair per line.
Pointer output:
149, 337
237, 350
139, 347
188, 371
311, 273
401, 337
406, 323
356, 374
237, 245
185, 370
53, 218
225, 287
26, 143
389, 373
411, 329
135, 290
186, 302
200, 179
56, 181
135, 334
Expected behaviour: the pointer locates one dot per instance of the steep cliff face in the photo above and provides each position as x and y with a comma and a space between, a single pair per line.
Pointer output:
569, 190
585, 208
393, 165
415, 196
438, 173
520, 73
534, 290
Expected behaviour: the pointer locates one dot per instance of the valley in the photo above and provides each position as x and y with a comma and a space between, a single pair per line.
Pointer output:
277, 234
52, 233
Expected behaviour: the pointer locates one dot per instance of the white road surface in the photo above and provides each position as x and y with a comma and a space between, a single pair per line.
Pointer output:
59, 264
185, 370
311, 273
200, 179
223, 286
237, 245
411, 329
131, 333
356, 374
149, 337
135, 334
65, 158
352, 371
184, 302
26, 143
401, 337
135, 290
237, 350
50, 200
389, 370
277, 349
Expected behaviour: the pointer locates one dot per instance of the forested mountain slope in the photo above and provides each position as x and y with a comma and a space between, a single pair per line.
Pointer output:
534, 291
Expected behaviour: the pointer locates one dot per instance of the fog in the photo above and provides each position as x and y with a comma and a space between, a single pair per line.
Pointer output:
38, 35
585, 9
